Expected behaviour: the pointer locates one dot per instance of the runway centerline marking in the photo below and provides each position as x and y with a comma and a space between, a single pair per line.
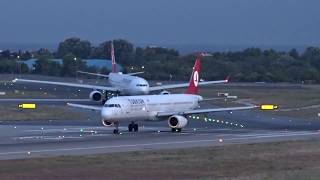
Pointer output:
152, 144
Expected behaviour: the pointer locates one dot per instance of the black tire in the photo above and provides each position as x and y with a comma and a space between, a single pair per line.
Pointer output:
136, 127
130, 127
115, 131
173, 130
179, 130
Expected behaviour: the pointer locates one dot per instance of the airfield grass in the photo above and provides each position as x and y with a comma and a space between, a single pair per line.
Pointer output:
278, 160
42, 112
285, 98
28, 95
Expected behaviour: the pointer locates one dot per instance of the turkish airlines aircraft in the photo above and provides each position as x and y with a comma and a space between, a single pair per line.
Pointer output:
171, 107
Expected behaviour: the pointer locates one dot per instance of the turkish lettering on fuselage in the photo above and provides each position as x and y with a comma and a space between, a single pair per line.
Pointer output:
136, 101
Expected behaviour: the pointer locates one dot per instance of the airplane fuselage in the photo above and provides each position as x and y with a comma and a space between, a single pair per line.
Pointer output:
129, 85
135, 108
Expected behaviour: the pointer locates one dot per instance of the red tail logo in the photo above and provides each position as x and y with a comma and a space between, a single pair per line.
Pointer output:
194, 80
113, 59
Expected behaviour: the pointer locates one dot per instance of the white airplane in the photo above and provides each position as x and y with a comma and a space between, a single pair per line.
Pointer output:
171, 107
121, 84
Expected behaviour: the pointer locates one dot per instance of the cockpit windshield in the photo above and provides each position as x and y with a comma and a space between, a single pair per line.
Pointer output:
141, 85
112, 105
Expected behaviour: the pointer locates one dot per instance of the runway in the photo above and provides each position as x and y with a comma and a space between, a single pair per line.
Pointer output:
29, 141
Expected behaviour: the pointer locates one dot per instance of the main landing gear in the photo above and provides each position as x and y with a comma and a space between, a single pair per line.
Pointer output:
133, 126
176, 130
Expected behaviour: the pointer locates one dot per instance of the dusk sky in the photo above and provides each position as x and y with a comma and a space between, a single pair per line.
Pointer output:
234, 22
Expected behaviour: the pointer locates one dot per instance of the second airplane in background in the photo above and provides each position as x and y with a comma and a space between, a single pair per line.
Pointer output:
121, 84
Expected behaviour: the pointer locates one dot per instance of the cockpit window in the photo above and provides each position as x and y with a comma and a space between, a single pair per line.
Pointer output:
142, 85
112, 105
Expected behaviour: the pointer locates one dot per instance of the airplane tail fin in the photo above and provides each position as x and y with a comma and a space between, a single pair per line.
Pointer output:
113, 59
194, 80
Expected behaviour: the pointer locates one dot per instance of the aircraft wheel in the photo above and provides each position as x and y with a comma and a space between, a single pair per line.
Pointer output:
130, 127
136, 127
176, 130
115, 131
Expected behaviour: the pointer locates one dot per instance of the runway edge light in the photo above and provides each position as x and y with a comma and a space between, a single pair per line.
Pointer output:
268, 107
27, 106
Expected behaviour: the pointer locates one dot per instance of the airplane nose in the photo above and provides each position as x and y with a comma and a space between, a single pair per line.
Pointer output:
145, 90
106, 114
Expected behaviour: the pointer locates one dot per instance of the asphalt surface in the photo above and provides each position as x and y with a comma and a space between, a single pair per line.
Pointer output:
22, 139
29, 139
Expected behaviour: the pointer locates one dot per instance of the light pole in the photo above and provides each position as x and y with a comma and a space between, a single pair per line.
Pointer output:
75, 60
19, 64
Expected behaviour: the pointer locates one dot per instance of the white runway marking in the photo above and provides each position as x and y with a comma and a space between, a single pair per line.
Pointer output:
159, 143
272, 133
47, 137
86, 129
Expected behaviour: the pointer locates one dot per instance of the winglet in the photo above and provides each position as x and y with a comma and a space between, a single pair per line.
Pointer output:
194, 80
113, 59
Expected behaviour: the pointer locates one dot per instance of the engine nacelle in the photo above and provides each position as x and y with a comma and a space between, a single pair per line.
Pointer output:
177, 121
164, 93
95, 96
107, 123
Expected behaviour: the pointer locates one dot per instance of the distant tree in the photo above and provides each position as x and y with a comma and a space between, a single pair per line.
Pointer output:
76, 46
26, 55
294, 53
72, 64
12, 66
6, 54
43, 52
46, 66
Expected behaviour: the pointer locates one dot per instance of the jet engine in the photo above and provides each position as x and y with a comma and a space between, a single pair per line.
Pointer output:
177, 121
164, 93
95, 96
107, 123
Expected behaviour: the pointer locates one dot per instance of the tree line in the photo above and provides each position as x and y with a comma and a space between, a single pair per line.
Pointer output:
159, 63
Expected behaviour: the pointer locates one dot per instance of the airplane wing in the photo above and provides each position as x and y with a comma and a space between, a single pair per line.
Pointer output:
88, 107
172, 86
94, 74
67, 84
197, 111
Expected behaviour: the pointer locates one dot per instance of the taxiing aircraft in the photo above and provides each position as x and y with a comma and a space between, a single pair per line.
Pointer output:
171, 107
121, 84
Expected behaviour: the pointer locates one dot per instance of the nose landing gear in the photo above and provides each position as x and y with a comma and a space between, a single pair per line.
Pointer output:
116, 130
176, 130
133, 127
